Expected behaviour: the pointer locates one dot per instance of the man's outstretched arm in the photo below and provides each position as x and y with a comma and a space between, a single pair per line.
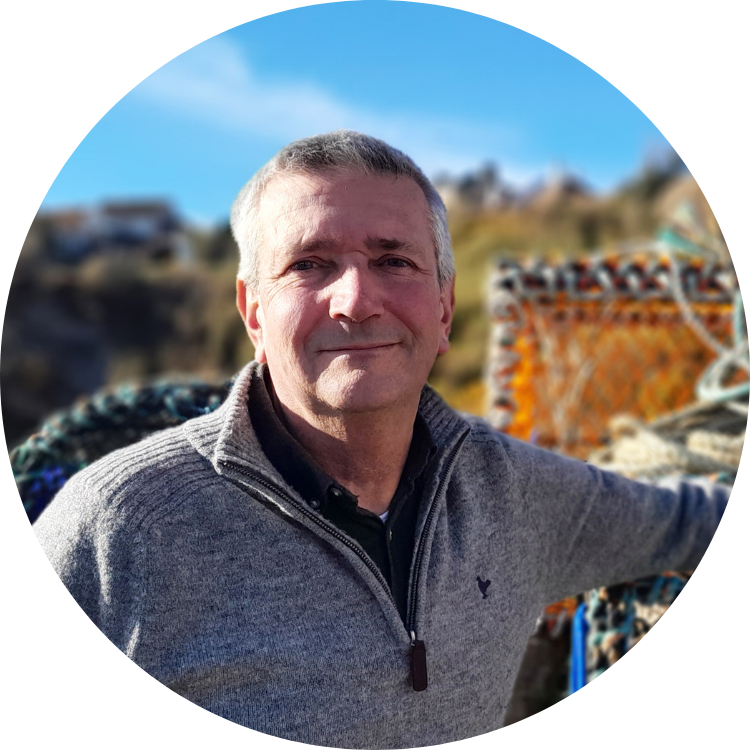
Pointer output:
597, 528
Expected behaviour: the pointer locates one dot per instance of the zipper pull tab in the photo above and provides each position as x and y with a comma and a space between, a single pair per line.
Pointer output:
418, 664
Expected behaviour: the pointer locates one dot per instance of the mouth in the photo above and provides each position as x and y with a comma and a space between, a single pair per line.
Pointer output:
359, 348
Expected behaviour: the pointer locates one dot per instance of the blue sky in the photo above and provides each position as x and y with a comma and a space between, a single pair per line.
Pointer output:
452, 89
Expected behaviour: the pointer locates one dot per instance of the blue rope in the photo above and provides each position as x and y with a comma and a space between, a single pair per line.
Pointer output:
578, 649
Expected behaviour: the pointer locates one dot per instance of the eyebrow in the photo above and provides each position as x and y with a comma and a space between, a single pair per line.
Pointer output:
313, 246
386, 243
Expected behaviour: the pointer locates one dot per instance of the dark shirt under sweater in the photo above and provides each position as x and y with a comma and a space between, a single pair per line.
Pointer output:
389, 544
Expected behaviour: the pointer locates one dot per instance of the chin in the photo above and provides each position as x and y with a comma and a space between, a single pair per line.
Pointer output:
362, 392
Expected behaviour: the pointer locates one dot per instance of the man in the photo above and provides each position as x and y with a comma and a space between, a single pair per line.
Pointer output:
335, 556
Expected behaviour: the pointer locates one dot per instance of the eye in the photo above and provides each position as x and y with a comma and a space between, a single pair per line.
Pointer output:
303, 265
396, 263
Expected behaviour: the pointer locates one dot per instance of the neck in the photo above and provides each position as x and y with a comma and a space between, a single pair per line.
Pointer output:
364, 452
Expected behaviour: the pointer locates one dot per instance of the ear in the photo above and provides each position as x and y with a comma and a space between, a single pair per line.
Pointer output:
248, 303
448, 305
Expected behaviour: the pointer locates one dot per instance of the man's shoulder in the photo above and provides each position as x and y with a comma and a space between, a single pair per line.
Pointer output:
486, 437
481, 430
488, 446
125, 486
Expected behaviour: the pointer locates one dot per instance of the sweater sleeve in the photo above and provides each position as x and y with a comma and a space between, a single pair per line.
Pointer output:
597, 528
96, 553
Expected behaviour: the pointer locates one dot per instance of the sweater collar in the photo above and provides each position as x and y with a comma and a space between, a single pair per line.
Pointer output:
227, 436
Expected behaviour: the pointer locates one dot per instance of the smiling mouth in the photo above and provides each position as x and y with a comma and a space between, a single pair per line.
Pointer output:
360, 348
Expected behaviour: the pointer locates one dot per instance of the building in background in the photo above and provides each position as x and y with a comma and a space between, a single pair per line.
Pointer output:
150, 228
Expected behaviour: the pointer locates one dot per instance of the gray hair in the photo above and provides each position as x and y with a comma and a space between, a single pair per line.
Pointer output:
341, 149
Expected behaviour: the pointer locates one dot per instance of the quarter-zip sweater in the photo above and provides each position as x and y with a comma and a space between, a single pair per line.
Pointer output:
195, 558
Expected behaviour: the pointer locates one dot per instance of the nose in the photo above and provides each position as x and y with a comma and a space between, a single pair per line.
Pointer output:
355, 295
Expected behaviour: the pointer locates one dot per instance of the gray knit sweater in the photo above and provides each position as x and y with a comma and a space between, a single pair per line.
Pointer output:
194, 557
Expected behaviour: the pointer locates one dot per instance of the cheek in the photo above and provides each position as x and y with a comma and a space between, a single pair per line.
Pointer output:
420, 311
291, 321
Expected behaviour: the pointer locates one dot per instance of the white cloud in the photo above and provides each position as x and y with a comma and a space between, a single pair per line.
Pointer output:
213, 83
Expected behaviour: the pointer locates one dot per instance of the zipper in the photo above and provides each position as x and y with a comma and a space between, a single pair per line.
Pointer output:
418, 664
411, 613
418, 648
318, 521
418, 657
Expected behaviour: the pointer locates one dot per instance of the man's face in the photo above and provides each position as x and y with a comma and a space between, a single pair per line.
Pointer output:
348, 313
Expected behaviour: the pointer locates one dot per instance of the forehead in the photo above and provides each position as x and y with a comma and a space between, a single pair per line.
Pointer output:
342, 206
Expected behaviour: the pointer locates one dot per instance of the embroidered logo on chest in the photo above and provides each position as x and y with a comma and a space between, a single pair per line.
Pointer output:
483, 586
